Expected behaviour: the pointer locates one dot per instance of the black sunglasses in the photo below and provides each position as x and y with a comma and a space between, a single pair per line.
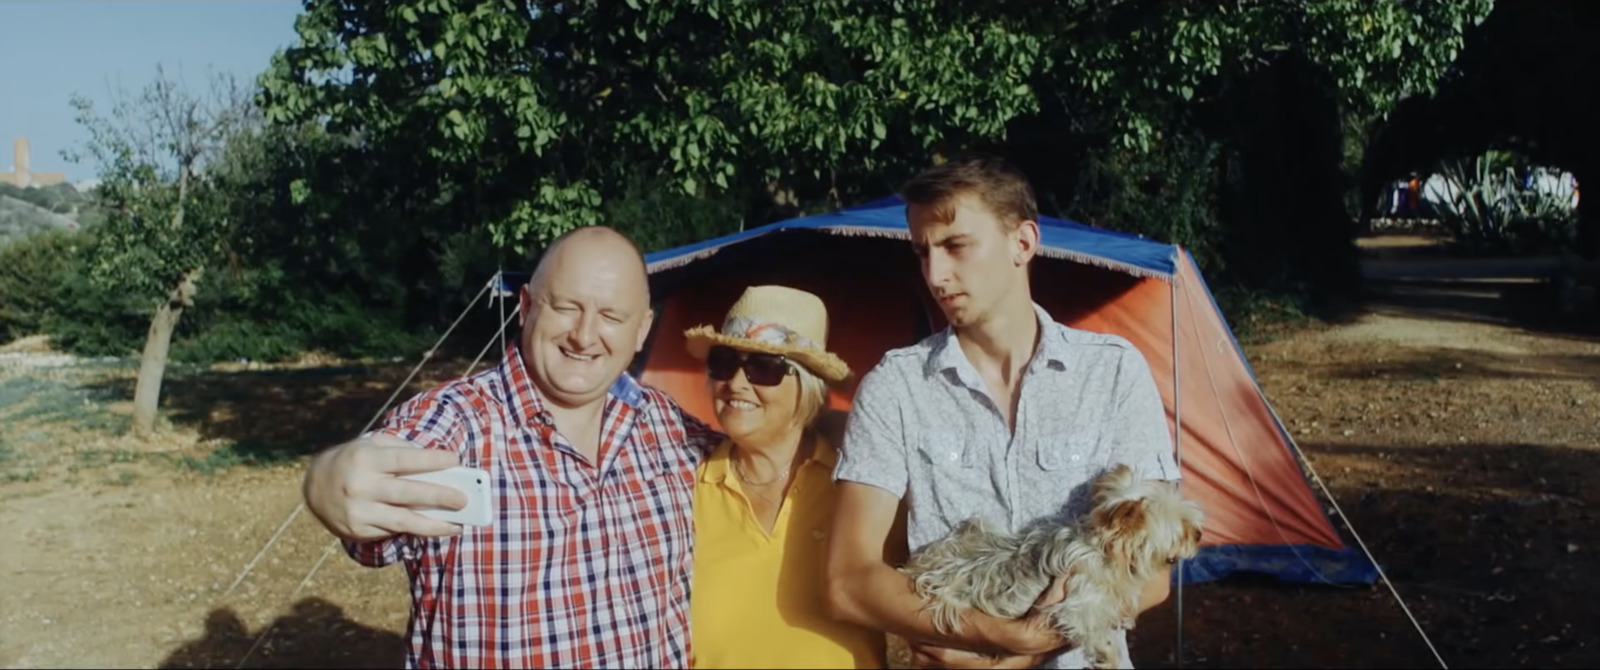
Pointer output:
761, 369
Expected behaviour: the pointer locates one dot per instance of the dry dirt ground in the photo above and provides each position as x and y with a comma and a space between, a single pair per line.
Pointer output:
1464, 449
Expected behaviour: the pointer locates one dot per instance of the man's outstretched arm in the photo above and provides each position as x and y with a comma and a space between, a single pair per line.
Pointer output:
357, 491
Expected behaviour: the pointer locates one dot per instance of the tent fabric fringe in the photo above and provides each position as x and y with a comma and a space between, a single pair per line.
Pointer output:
889, 233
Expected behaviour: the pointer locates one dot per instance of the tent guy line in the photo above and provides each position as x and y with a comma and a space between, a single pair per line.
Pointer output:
333, 545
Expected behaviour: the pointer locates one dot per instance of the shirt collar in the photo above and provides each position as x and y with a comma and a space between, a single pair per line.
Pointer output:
527, 404
947, 353
718, 467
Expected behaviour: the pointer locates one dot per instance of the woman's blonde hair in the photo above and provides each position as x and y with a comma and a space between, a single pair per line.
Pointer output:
813, 395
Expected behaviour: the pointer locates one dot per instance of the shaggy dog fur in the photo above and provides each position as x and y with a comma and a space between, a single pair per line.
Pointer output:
1135, 528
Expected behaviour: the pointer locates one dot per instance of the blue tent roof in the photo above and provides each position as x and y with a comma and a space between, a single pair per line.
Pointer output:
886, 217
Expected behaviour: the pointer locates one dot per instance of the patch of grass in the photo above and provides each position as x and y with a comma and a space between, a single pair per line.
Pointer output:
19, 391
58, 401
123, 478
95, 458
1259, 316
261, 454
20, 476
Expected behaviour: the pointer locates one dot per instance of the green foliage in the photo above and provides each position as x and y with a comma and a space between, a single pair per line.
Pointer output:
1130, 63
92, 321
417, 146
1487, 209
259, 316
657, 216
527, 119
32, 272
1257, 315
45, 289
164, 220
1168, 194
548, 112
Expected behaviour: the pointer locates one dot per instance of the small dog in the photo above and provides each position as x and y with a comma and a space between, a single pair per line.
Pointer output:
1134, 528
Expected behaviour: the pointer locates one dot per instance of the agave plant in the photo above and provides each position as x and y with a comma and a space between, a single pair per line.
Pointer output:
1488, 205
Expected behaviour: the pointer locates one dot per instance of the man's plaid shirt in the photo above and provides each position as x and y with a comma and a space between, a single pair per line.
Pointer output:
585, 565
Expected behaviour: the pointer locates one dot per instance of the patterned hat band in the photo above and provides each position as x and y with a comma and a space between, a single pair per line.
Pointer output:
771, 333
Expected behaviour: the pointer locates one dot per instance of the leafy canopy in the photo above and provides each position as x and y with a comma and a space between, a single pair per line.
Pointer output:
538, 111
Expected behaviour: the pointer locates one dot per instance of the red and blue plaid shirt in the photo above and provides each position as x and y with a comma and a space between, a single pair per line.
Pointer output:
585, 565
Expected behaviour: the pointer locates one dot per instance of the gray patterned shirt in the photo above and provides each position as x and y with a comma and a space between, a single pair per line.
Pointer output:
922, 425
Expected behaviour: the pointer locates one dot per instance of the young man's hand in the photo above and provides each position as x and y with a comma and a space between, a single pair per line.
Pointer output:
1036, 634
930, 656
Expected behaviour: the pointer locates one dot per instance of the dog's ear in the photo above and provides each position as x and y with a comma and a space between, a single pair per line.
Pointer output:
1122, 528
1127, 517
1193, 533
1120, 476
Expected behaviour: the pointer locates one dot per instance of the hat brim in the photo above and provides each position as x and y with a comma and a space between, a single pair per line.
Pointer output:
824, 364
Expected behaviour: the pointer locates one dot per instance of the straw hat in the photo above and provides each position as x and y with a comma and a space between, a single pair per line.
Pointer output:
775, 320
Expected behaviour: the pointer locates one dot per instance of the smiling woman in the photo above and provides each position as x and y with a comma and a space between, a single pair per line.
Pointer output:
764, 499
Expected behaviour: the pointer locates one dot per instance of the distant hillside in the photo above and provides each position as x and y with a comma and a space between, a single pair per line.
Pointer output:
58, 198
19, 218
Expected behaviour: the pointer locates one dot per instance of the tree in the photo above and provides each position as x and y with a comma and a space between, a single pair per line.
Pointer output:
164, 224
527, 116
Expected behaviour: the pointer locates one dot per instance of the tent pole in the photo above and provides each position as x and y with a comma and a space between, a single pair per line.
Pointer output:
500, 279
1177, 436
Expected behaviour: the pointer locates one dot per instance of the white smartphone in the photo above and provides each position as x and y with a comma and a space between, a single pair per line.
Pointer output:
471, 481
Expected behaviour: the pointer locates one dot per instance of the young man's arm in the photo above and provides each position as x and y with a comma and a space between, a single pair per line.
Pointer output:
862, 584
863, 588
1143, 440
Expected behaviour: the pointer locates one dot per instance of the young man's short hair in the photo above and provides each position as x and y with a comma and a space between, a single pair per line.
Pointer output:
996, 183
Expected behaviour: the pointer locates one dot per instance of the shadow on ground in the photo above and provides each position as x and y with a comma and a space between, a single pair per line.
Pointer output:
1545, 294
275, 415
1440, 364
1491, 546
315, 634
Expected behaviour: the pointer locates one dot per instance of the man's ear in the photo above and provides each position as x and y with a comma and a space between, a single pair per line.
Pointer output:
644, 329
524, 304
1027, 241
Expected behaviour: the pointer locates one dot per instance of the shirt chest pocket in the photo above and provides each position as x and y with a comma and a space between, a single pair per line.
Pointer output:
1065, 464
951, 466
1068, 453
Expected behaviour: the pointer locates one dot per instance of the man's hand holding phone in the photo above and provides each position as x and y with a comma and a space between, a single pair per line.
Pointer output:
360, 490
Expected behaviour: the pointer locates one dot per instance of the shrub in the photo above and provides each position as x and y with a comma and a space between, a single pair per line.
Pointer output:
33, 270
1485, 205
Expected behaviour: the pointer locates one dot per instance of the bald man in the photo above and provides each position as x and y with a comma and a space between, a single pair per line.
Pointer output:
587, 561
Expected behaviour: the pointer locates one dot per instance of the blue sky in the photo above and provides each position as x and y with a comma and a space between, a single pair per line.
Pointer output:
77, 46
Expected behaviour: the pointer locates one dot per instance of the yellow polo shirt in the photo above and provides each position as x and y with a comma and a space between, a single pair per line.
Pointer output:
757, 599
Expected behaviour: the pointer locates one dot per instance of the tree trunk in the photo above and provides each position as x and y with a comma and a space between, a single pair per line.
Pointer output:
153, 362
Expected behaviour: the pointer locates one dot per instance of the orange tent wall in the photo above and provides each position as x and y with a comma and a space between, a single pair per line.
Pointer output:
1236, 462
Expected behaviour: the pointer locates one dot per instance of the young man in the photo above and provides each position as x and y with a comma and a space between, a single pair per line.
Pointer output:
589, 559
1005, 415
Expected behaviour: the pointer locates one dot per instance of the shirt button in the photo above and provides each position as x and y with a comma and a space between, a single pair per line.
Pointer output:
955, 456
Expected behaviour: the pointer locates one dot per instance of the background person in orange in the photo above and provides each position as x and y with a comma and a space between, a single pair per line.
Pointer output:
764, 498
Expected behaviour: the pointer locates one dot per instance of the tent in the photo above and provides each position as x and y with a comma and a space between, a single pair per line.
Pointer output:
1238, 461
